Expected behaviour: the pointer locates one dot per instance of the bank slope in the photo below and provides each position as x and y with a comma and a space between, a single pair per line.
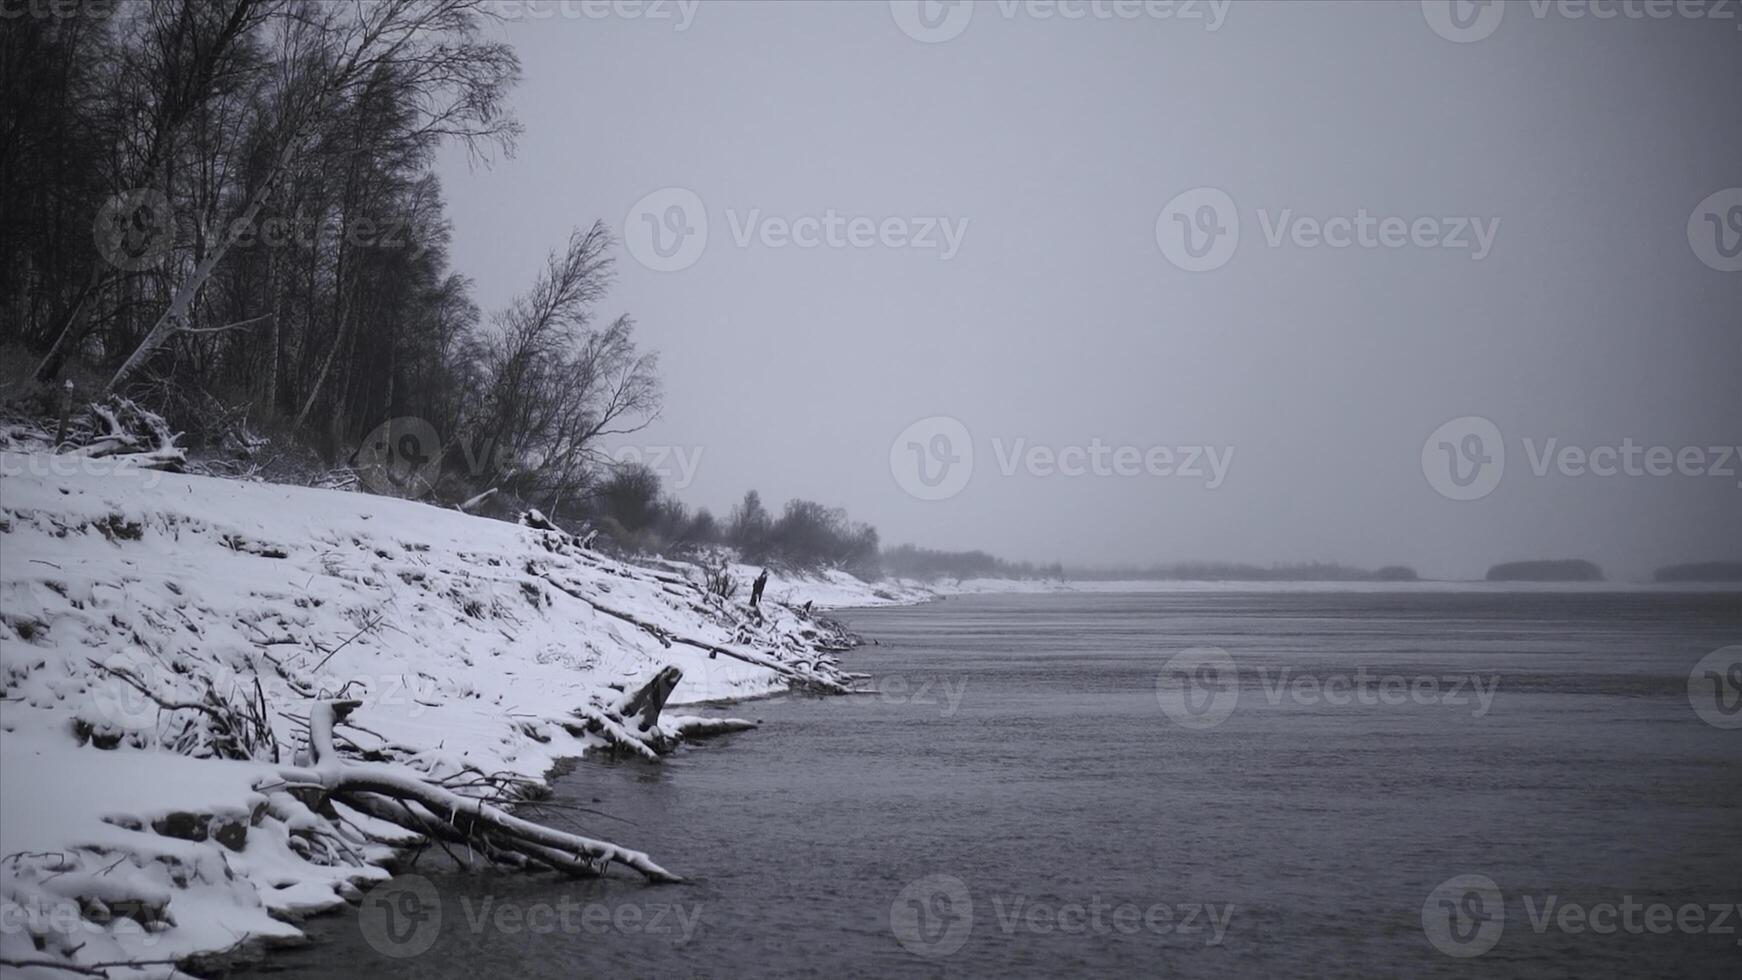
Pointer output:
140, 824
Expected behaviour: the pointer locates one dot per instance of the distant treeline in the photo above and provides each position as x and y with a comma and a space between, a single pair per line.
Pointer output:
1704, 571
1561, 570
633, 511
925, 564
1216, 571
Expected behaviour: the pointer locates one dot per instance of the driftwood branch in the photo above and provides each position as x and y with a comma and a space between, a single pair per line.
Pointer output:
368, 786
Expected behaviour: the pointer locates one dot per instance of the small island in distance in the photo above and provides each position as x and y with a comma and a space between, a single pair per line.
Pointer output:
1701, 571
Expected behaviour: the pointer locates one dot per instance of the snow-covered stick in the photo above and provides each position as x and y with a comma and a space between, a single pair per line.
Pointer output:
474, 818
473, 503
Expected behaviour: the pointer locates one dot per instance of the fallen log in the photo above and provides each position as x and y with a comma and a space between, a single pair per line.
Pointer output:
368, 786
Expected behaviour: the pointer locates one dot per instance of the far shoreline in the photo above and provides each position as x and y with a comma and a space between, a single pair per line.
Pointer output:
979, 587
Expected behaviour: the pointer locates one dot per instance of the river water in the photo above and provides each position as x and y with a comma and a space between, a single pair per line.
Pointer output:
1359, 784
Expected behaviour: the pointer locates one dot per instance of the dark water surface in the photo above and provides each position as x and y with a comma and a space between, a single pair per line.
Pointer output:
1030, 789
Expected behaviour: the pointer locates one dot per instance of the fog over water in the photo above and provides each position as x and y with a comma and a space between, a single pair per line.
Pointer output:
1535, 231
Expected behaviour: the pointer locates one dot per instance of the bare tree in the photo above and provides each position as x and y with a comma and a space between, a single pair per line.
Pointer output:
557, 387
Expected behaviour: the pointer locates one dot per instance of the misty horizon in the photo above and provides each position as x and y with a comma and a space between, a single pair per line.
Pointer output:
1561, 157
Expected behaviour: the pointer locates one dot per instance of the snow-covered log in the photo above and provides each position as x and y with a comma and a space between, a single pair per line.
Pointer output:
476, 820
121, 430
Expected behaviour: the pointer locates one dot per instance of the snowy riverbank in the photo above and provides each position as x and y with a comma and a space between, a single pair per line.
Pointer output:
139, 824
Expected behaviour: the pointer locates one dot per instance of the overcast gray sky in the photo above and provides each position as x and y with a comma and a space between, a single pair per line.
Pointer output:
1559, 260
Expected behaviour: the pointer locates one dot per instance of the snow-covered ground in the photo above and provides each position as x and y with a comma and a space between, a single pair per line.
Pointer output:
471, 643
